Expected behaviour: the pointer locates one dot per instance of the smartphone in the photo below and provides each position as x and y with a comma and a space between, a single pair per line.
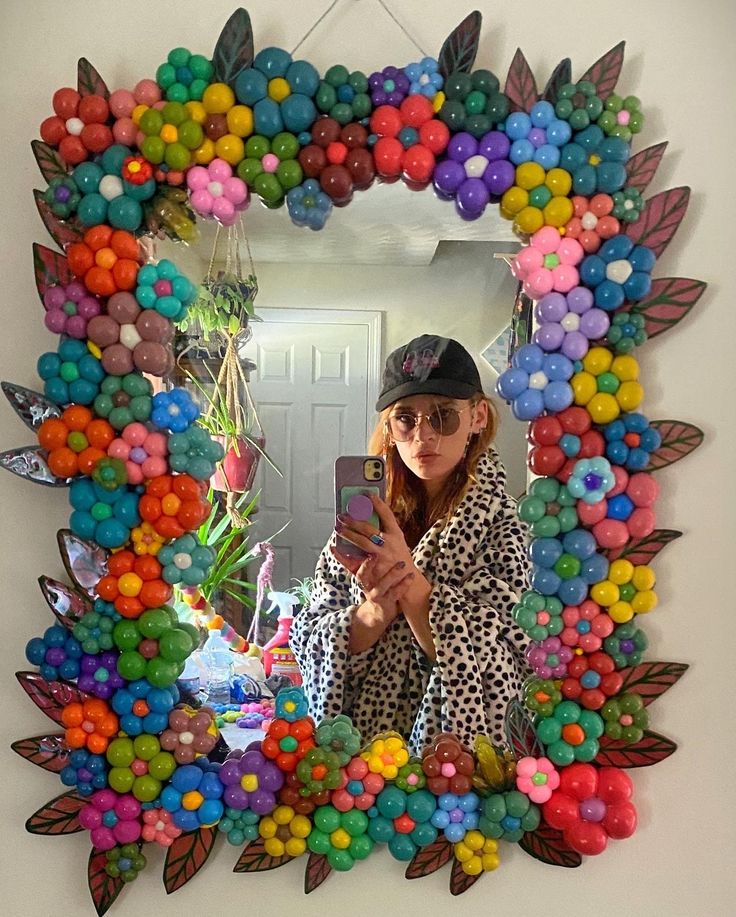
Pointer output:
358, 476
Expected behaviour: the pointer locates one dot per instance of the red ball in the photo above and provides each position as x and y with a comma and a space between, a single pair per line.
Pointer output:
386, 121
354, 135
388, 153
53, 130
72, 150
312, 159
415, 110
620, 820
546, 461
96, 137
337, 183
579, 780
360, 165
325, 131
65, 102
418, 163
93, 109
546, 431
435, 135
336, 153
588, 838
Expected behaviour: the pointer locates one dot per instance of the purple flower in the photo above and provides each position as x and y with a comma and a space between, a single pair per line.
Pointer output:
98, 674
251, 780
389, 86
568, 322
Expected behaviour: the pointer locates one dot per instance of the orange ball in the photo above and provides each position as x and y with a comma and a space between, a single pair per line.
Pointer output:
99, 281
72, 715
125, 274
160, 486
169, 527
187, 488
124, 244
302, 729
80, 258
107, 588
76, 738
147, 567
88, 458
129, 606
97, 744
99, 433
52, 433
99, 236
105, 257
63, 462
76, 417
155, 593
121, 562
149, 508
95, 710
170, 504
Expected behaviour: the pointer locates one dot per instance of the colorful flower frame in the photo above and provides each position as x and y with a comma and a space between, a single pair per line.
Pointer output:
559, 164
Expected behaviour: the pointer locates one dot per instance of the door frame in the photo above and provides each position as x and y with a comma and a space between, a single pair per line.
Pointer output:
372, 319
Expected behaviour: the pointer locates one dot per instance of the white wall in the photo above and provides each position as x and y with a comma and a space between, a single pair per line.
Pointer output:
681, 63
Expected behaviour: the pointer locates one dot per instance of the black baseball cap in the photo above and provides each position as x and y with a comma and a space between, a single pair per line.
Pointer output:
429, 365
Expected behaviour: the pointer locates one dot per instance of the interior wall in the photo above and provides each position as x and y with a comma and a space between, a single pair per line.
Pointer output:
680, 62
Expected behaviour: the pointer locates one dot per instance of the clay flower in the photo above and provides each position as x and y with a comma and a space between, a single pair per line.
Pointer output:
569, 323
626, 718
358, 786
559, 440
190, 733
586, 626
550, 658
591, 480
548, 263
594, 221
536, 382
538, 615
142, 450
536, 778
215, 191
619, 272
626, 645
591, 680
570, 734
131, 338
159, 828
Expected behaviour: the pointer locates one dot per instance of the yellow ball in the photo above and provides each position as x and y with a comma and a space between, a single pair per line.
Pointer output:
559, 182
282, 815
558, 211
603, 408
205, 153
474, 839
390, 771
137, 113
375, 764
300, 826
463, 853
240, 120
529, 175
491, 845
249, 782
278, 89
506, 214
473, 867
438, 101
643, 578
514, 200
630, 395
340, 839
644, 602
267, 827
296, 846
230, 148
490, 862
621, 571
529, 220
169, 134
393, 745
605, 593
625, 367
197, 111
192, 800
274, 847
130, 584
218, 98
621, 612
583, 387
597, 360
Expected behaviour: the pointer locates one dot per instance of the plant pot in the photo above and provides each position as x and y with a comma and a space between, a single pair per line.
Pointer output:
238, 469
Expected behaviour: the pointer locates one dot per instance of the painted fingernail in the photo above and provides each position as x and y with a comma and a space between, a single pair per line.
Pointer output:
339, 527
401, 564
341, 517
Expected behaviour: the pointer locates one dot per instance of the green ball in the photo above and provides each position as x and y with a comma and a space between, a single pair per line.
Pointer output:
120, 752
319, 842
126, 635
121, 779
608, 382
342, 112
453, 115
497, 107
494, 807
174, 113
327, 819
361, 105
567, 566
340, 860
289, 174
358, 82
458, 85
561, 754
162, 765
257, 146
360, 847
249, 170
146, 746
192, 631
151, 122
161, 673
179, 57
146, 788
485, 82
191, 135
132, 666
69, 372
587, 750
177, 92
420, 805
285, 146
517, 804
175, 645
166, 75
154, 150
325, 98
200, 67
355, 822
153, 623
196, 89
540, 196
177, 156
475, 102
267, 186
134, 385
337, 75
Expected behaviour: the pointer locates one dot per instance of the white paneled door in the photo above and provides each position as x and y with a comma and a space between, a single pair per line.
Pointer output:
317, 379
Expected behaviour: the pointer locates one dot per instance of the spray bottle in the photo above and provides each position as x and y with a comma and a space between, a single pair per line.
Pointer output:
285, 602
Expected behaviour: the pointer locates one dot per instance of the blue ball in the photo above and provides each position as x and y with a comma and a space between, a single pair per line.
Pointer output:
518, 125
620, 507
36, 651
579, 542
272, 62
590, 139
521, 151
609, 295
113, 157
87, 177
529, 405
610, 177
304, 78
557, 396
572, 591
584, 180
572, 157
511, 383
545, 551
545, 581
542, 114
559, 133
111, 533
251, 86
186, 778
454, 833
298, 112
548, 156
267, 118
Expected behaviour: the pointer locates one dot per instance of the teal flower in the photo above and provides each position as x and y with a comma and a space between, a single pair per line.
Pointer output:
540, 616
591, 479
628, 205
627, 331
291, 704
626, 645
508, 816
548, 508
186, 561
570, 733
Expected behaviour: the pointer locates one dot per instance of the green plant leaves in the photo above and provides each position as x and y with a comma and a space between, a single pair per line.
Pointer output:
186, 856
461, 46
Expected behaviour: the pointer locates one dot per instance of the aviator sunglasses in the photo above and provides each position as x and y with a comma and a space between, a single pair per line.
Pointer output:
443, 420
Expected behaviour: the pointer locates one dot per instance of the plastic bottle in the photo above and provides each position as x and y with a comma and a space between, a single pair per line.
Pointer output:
189, 680
218, 661
284, 601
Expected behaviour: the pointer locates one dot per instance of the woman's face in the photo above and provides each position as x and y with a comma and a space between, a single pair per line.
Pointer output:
430, 454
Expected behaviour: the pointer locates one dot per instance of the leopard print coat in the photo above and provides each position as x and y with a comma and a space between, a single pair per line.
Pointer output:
478, 567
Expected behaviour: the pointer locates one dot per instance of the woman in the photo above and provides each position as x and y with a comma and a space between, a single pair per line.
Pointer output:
419, 636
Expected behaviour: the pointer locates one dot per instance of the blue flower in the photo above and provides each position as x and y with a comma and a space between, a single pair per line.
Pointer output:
57, 654
630, 441
72, 374
596, 162
567, 567
424, 77
618, 272
536, 382
186, 560
164, 288
103, 516
85, 771
591, 479
291, 704
174, 410
308, 205
143, 708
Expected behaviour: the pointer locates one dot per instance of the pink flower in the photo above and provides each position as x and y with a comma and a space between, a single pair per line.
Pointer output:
548, 263
215, 191
586, 626
536, 778
626, 512
159, 828
143, 452
69, 308
592, 221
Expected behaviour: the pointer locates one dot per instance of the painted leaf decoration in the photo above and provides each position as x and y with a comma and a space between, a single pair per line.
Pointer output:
49, 696
103, 888
186, 856
67, 605
660, 218
63, 232
29, 462
605, 71
460, 881
429, 859
47, 751
234, 49
318, 868
255, 858
32, 407
89, 81
668, 302
560, 75
520, 733
548, 845
84, 561
50, 268
49, 161
459, 49
651, 679
644, 550
641, 167
678, 440
59, 816
650, 750
521, 87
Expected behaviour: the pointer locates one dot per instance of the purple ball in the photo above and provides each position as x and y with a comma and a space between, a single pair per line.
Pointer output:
494, 145
594, 324
537, 137
472, 197
579, 300
55, 656
575, 345
499, 176
230, 771
448, 176
462, 146
550, 337
235, 797
552, 308
592, 809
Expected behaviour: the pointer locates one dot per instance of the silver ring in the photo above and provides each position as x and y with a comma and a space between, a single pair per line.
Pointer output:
377, 539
